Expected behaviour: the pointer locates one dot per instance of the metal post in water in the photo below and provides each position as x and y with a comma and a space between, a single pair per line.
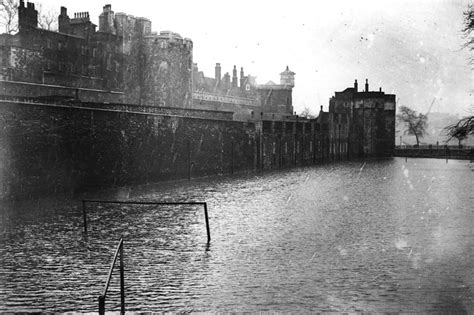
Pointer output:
232, 158
189, 160
101, 304
84, 215
207, 223
122, 285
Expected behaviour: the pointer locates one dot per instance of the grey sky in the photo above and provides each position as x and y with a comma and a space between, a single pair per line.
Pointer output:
410, 48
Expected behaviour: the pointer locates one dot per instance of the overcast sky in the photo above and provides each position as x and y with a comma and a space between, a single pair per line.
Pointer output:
409, 48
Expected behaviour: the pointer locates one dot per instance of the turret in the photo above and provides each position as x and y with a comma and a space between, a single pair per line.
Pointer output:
287, 77
106, 20
367, 85
356, 86
242, 78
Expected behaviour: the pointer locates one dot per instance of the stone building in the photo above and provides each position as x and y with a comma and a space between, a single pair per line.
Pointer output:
277, 99
123, 60
122, 57
366, 117
76, 56
242, 95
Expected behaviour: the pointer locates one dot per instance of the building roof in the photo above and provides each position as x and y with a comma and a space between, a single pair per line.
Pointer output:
287, 71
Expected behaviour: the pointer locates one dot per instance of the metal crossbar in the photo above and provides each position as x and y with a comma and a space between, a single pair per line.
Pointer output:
102, 297
146, 203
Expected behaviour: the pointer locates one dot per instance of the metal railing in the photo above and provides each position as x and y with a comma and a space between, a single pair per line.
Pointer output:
102, 297
146, 203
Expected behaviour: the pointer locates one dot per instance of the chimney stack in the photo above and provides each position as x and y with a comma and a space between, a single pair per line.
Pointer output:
218, 73
367, 85
234, 77
356, 86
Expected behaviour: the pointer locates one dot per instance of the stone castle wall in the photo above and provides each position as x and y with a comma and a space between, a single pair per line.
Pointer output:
46, 148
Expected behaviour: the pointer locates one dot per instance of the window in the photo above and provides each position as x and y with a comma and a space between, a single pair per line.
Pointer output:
83, 50
49, 43
60, 46
94, 52
109, 63
247, 87
61, 67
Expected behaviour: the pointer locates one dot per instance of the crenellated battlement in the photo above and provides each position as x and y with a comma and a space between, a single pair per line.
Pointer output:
168, 39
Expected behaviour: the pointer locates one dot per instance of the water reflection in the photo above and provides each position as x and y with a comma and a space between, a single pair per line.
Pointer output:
380, 236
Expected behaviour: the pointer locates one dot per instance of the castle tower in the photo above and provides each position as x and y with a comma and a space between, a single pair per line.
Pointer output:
287, 77
106, 20
27, 16
242, 79
234, 77
218, 73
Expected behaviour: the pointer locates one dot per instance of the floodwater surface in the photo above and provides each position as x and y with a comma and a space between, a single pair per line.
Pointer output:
380, 236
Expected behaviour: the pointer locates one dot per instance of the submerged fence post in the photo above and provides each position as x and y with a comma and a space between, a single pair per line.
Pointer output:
122, 285
207, 223
232, 158
84, 215
189, 160
101, 305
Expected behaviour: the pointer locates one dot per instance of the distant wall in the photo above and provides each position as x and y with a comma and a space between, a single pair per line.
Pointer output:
26, 89
441, 152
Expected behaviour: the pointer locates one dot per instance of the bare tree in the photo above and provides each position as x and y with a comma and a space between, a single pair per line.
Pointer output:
307, 113
47, 18
415, 123
9, 16
465, 127
461, 130
468, 28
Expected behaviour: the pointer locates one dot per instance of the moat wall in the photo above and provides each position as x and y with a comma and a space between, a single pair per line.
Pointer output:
46, 149
52, 148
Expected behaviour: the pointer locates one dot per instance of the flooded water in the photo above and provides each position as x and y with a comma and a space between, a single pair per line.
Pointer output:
380, 236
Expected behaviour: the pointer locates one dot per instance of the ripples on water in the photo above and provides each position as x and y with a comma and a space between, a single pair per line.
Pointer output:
381, 236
